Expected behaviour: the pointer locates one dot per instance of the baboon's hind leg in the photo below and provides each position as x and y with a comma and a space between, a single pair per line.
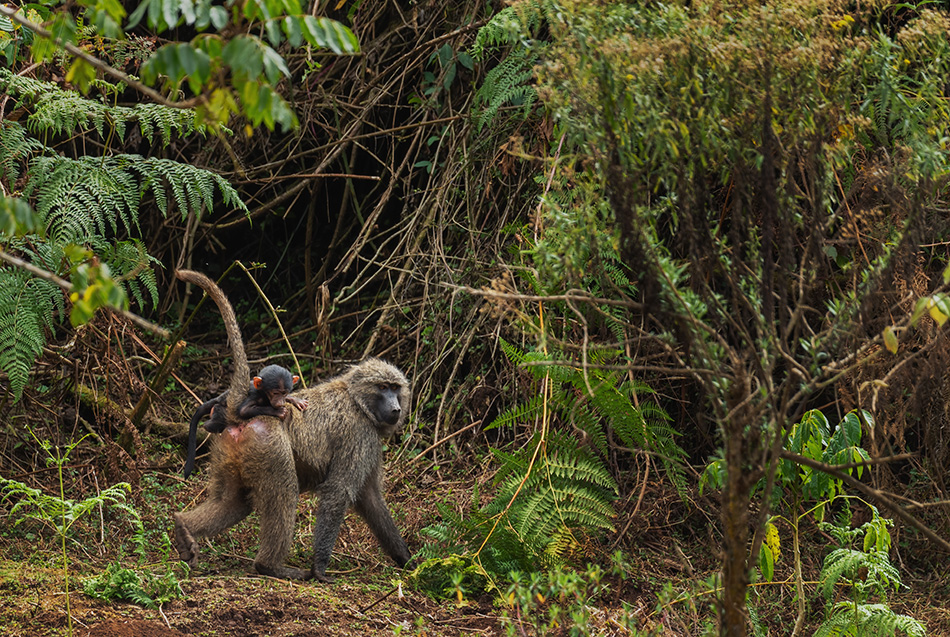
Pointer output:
278, 511
220, 511
275, 497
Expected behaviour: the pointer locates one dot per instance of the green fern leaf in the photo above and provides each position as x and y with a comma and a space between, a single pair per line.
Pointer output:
26, 307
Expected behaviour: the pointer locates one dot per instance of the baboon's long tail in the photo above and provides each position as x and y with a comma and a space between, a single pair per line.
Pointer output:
242, 372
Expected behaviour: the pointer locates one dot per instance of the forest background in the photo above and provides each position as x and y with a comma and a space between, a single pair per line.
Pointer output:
669, 280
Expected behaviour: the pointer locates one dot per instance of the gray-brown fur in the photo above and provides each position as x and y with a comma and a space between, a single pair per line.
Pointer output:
334, 448
242, 371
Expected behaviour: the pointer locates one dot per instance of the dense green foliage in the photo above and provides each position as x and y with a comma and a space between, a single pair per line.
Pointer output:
767, 172
713, 230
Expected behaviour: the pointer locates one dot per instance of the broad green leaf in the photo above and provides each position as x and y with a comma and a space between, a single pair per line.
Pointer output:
81, 73
63, 28
243, 54
177, 62
766, 554
219, 17
274, 65
263, 105
218, 109
292, 30
446, 53
106, 16
330, 34
274, 36
187, 8
449, 77
211, 44
17, 217
938, 315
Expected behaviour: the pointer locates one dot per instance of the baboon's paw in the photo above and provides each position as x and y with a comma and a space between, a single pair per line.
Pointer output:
282, 572
186, 544
322, 577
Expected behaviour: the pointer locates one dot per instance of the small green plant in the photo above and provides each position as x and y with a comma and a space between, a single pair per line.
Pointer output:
454, 576
58, 512
867, 573
552, 602
139, 587
814, 438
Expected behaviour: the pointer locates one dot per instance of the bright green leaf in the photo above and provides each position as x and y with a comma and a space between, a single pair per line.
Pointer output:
170, 12
187, 8
17, 217
322, 32
938, 315
274, 35
292, 30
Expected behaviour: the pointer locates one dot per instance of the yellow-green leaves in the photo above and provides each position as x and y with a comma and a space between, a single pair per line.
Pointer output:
769, 551
81, 74
93, 286
890, 339
937, 306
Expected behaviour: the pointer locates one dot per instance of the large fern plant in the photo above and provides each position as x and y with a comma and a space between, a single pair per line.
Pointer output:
82, 208
863, 574
556, 491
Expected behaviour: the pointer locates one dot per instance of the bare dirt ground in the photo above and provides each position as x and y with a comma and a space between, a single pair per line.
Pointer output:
222, 596
669, 587
236, 604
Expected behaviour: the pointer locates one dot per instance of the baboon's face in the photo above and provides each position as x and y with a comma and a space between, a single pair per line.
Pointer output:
387, 405
277, 397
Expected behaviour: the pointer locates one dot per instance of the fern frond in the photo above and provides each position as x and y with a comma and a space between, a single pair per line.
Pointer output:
26, 308
581, 414
849, 618
16, 148
131, 265
507, 83
193, 188
90, 195
65, 112
511, 25
514, 354
525, 412
840, 563
579, 468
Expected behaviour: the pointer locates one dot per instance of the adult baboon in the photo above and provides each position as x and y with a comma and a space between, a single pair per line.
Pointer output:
333, 448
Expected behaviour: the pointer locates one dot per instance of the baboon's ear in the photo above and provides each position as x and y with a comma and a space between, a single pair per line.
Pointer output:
296, 379
258, 381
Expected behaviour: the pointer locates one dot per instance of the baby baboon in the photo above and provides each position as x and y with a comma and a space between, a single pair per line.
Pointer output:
267, 395
333, 448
